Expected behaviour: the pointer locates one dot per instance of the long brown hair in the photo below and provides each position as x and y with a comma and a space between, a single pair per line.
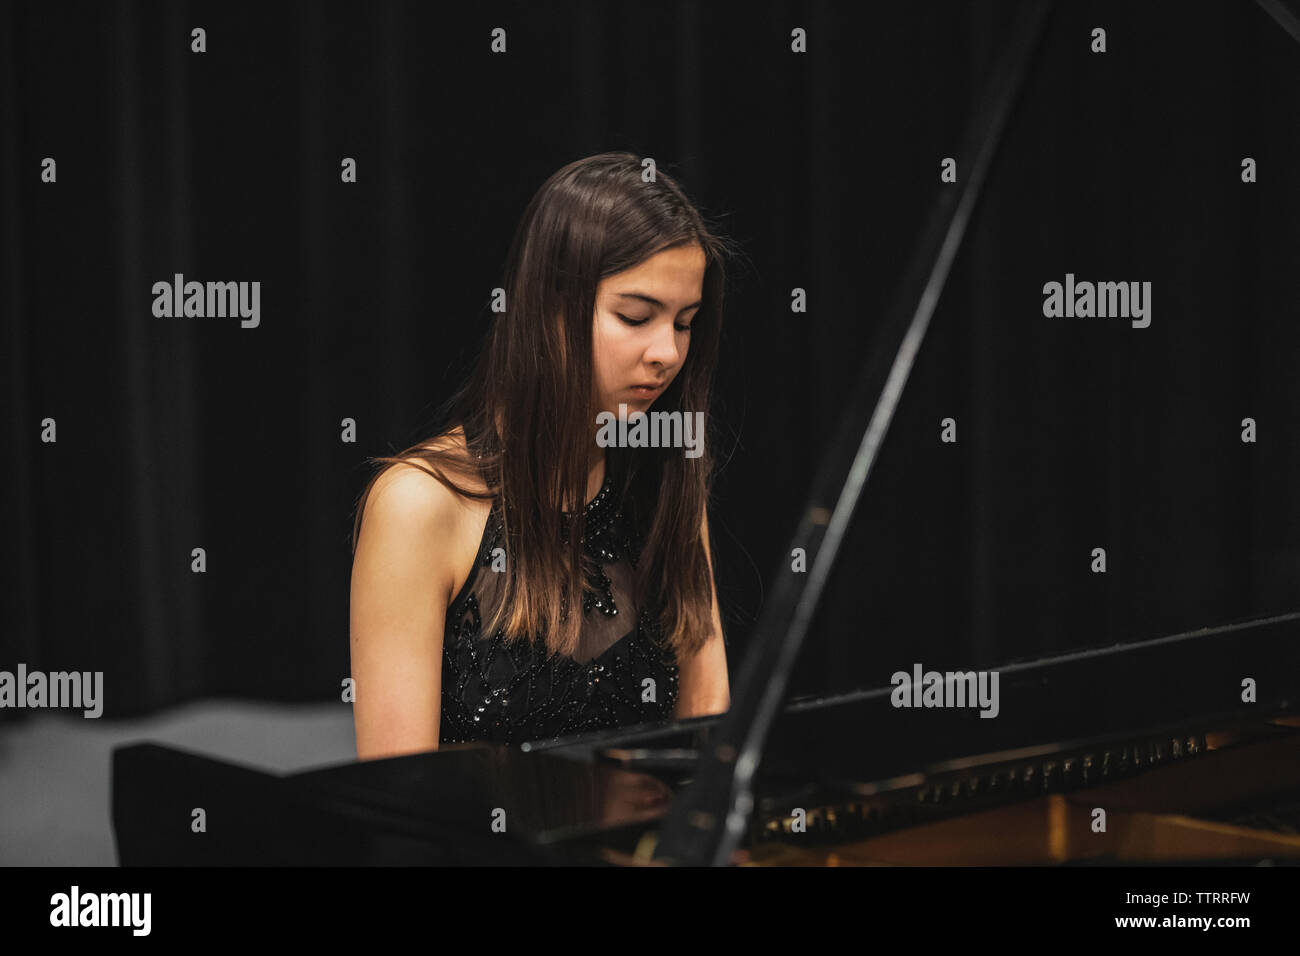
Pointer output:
528, 408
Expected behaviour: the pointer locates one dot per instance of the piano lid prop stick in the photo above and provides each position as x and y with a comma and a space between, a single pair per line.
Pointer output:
709, 818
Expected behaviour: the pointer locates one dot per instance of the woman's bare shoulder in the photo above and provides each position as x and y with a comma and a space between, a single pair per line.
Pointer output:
409, 511
405, 494
410, 490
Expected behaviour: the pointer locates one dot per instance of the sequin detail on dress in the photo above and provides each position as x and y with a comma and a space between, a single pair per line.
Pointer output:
517, 691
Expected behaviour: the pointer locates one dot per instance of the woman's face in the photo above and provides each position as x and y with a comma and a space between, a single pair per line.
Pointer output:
642, 327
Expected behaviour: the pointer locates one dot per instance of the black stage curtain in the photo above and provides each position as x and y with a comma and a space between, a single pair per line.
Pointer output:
224, 165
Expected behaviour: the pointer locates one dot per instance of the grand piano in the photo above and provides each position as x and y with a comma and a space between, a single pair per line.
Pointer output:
1155, 735
1184, 748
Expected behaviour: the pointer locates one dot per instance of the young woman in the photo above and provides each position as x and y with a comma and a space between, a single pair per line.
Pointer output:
471, 549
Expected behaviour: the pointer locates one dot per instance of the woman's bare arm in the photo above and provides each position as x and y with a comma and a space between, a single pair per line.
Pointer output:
703, 687
401, 582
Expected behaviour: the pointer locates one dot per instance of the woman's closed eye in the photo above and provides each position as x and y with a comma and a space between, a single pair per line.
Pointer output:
634, 322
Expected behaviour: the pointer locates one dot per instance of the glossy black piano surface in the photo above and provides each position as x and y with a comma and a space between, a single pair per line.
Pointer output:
1156, 734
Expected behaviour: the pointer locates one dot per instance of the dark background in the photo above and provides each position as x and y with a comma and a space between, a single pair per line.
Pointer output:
1073, 433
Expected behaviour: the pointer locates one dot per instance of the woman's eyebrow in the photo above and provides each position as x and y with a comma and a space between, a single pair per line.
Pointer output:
653, 301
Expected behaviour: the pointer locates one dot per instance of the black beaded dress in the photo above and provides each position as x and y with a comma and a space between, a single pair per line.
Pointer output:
510, 692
